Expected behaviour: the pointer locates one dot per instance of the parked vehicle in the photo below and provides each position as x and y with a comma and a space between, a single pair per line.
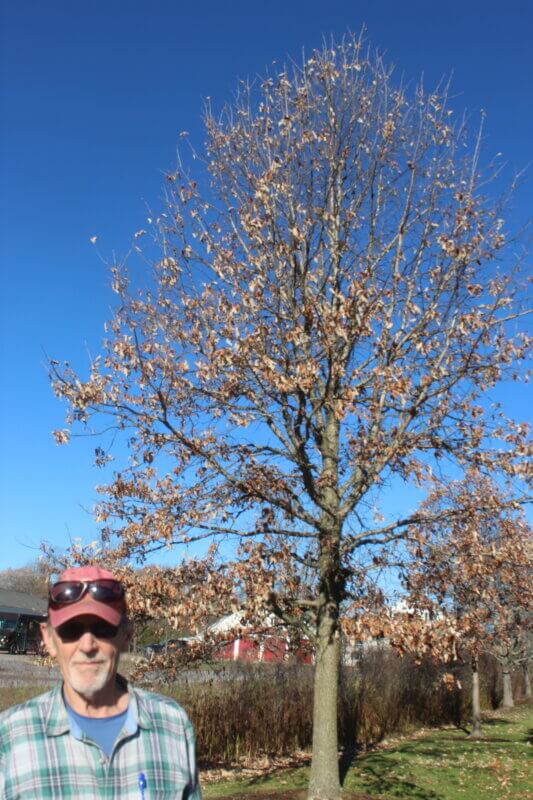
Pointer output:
154, 648
19, 633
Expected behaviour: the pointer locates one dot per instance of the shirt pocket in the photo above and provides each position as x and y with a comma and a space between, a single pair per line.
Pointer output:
158, 787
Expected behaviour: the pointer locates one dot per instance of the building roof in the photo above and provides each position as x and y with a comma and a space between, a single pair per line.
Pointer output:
21, 603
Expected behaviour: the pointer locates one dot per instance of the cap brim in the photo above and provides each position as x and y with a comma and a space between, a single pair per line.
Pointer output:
110, 612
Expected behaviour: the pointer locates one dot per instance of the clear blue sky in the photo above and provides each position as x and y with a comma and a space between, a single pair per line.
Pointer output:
93, 97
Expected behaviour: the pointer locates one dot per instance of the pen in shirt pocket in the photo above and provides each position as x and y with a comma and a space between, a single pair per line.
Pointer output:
142, 784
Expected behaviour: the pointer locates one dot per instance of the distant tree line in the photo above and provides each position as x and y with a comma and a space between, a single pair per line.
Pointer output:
31, 578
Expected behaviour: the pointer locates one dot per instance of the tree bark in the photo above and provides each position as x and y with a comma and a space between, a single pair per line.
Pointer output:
476, 707
324, 782
507, 701
527, 681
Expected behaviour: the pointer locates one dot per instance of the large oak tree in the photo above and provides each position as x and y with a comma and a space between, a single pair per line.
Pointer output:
325, 314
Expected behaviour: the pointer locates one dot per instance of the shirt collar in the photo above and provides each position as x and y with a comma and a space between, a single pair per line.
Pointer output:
139, 711
58, 721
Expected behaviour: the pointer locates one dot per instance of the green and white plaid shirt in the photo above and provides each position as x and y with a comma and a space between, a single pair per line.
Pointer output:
43, 758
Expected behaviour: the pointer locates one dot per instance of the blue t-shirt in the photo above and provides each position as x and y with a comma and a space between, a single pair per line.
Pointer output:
102, 730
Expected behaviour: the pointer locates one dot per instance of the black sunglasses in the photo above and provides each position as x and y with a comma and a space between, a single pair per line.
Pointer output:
104, 591
74, 629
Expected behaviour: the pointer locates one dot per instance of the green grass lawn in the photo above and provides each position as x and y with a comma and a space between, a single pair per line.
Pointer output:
441, 765
13, 695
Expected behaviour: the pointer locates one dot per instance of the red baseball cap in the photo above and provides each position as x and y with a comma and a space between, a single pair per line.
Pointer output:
112, 611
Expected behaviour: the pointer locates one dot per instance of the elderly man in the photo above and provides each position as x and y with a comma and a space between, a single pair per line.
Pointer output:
94, 736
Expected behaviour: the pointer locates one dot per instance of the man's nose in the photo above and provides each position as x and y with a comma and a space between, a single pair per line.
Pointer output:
87, 642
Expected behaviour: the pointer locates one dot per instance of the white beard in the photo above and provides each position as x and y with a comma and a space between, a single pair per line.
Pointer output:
88, 682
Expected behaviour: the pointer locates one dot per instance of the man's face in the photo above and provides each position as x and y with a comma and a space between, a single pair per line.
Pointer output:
88, 661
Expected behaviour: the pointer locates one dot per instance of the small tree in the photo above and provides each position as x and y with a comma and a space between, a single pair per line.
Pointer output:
322, 318
526, 655
474, 564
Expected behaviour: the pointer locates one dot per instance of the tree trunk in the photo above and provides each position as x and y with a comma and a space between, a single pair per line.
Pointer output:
527, 681
476, 708
508, 701
324, 782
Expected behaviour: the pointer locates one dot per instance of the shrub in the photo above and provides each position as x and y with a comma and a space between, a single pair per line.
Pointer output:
248, 710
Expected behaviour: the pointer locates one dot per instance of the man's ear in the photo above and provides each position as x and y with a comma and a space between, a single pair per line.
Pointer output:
48, 639
127, 634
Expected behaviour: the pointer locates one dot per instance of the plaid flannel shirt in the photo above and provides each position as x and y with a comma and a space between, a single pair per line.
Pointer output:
43, 758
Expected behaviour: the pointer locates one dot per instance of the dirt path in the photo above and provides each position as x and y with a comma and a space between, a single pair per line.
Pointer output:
23, 671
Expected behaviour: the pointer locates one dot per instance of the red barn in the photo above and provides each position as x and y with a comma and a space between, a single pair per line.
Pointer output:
273, 647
